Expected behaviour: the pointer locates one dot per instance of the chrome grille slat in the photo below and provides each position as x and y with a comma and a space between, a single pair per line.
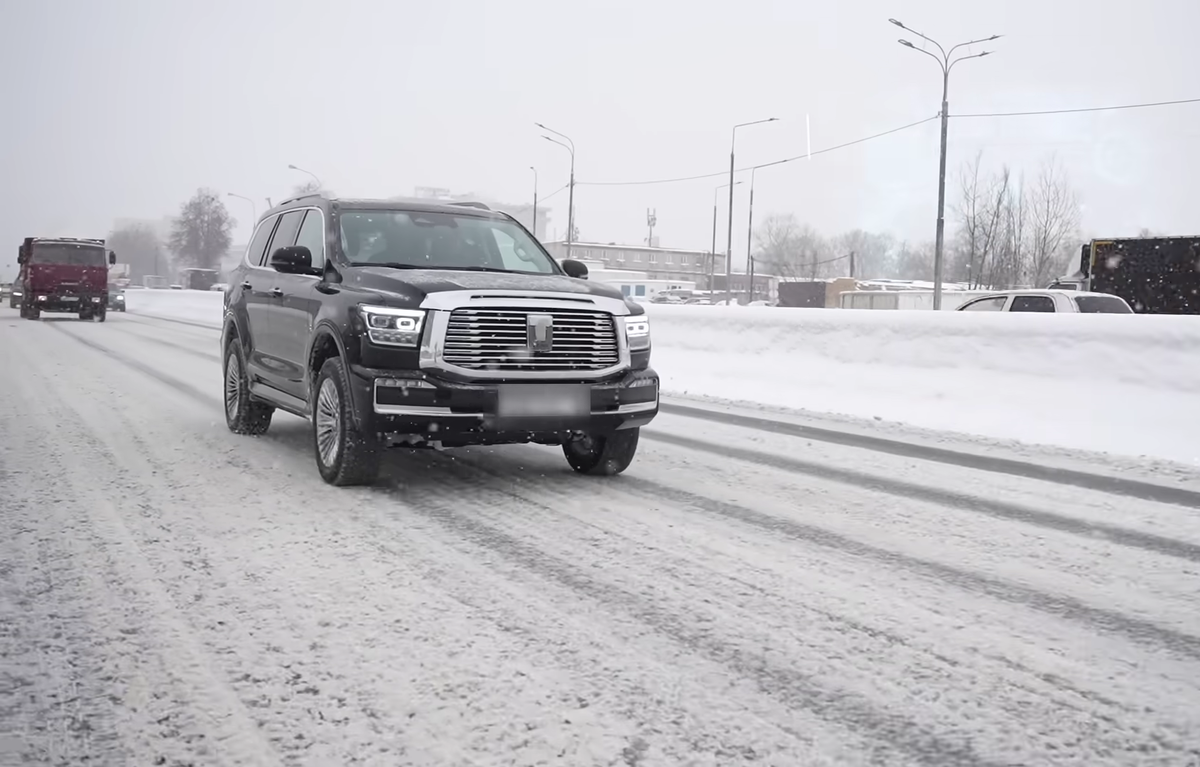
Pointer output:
496, 340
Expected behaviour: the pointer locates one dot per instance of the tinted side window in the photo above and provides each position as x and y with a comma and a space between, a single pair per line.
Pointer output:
258, 243
986, 305
312, 236
285, 233
1032, 304
1102, 305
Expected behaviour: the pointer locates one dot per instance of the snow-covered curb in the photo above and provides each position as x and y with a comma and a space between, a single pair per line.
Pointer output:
1104, 383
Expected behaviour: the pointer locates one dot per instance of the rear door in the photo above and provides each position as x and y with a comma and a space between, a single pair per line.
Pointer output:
255, 297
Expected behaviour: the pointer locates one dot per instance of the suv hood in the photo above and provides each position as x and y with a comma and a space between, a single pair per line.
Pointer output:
415, 284
49, 277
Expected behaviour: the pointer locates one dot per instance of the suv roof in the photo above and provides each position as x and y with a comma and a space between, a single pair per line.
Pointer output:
473, 209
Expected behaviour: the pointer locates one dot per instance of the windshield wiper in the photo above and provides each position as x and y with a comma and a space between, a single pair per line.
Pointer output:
389, 264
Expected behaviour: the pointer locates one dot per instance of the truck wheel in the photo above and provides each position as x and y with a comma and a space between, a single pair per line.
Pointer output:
345, 455
602, 454
84, 315
243, 415
32, 312
100, 314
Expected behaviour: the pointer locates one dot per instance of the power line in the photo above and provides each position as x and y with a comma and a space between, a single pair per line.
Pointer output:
543, 199
764, 165
1083, 109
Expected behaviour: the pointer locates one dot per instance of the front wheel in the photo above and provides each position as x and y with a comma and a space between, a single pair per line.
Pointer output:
345, 454
31, 312
100, 314
602, 454
243, 415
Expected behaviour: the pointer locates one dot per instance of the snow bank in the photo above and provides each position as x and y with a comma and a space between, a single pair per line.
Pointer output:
200, 306
1120, 384
1111, 383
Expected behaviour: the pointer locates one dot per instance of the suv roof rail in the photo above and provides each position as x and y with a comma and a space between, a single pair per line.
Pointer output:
471, 204
305, 196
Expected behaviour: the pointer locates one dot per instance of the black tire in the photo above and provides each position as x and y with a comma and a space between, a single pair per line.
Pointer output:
85, 316
33, 313
345, 455
100, 315
602, 454
243, 415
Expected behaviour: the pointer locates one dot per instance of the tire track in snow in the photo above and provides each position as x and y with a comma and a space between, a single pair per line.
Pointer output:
1007, 511
130, 621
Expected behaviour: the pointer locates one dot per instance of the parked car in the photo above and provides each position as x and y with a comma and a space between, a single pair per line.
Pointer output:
1060, 301
422, 324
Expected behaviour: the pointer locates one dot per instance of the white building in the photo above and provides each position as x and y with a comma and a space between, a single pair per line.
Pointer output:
639, 286
670, 264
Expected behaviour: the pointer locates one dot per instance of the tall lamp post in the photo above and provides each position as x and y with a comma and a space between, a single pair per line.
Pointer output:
750, 234
570, 147
712, 253
946, 62
535, 182
309, 172
729, 241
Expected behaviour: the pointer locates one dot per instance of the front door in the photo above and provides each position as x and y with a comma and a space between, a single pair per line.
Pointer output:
269, 345
293, 316
256, 297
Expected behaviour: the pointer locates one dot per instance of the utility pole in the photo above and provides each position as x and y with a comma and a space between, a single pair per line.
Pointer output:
750, 233
535, 182
946, 62
852, 264
751, 259
651, 220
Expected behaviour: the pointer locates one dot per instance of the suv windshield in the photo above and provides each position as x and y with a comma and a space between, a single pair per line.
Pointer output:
61, 253
1102, 305
426, 240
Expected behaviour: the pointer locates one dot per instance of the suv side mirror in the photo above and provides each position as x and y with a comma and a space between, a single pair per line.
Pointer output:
576, 269
296, 259
21, 258
112, 258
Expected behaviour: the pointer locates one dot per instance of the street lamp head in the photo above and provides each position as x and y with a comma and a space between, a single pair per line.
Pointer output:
292, 167
897, 23
995, 37
906, 43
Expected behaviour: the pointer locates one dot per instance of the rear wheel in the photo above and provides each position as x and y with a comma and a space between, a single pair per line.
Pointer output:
100, 314
31, 312
243, 415
345, 454
602, 454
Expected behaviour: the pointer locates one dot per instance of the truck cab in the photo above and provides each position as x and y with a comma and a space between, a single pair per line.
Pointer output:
64, 274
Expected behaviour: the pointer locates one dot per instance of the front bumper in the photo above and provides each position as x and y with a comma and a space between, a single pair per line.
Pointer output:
50, 302
412, 406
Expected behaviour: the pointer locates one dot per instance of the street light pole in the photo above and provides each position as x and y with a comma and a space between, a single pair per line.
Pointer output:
535, 182
570, 147
729, 239
946, 62
750, 234
712, 254
253, 207
309, 172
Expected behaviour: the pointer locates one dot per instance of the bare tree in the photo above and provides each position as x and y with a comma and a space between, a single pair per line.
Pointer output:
914, 261
1054, 221
873, 253
201, 235
792, 250
138, 246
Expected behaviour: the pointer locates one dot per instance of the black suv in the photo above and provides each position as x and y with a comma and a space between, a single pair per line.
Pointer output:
429, 325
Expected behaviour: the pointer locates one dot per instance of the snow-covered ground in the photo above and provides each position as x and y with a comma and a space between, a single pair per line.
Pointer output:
171, 593
1102, 383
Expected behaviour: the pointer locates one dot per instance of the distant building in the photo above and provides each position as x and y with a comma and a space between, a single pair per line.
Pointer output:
657, 263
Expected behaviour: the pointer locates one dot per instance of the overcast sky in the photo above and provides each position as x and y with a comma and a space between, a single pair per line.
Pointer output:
122, 108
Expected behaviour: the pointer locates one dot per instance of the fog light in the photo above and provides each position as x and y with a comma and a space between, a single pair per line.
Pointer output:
644, 382
95, 300
41, 298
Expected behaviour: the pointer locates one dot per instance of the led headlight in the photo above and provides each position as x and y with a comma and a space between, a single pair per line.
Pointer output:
637, 332
120, 298
393, 327
18, 293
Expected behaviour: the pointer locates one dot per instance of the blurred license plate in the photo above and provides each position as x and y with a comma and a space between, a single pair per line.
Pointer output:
69, 298
532, 400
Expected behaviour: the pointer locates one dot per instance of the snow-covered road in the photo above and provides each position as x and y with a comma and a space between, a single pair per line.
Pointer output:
173, 594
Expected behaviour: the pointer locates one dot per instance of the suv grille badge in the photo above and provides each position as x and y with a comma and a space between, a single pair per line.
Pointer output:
539, 330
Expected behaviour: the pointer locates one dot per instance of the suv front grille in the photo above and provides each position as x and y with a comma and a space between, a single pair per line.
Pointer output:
498, 339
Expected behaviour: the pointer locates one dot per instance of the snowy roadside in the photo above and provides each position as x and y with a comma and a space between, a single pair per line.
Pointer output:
1115, 385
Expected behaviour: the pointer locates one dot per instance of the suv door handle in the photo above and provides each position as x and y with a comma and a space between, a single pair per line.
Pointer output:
277, 292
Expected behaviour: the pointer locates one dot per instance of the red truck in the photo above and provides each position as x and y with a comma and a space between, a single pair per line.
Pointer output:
63, 274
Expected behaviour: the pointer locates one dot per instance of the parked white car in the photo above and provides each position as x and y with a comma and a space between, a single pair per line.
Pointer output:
1060, 301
